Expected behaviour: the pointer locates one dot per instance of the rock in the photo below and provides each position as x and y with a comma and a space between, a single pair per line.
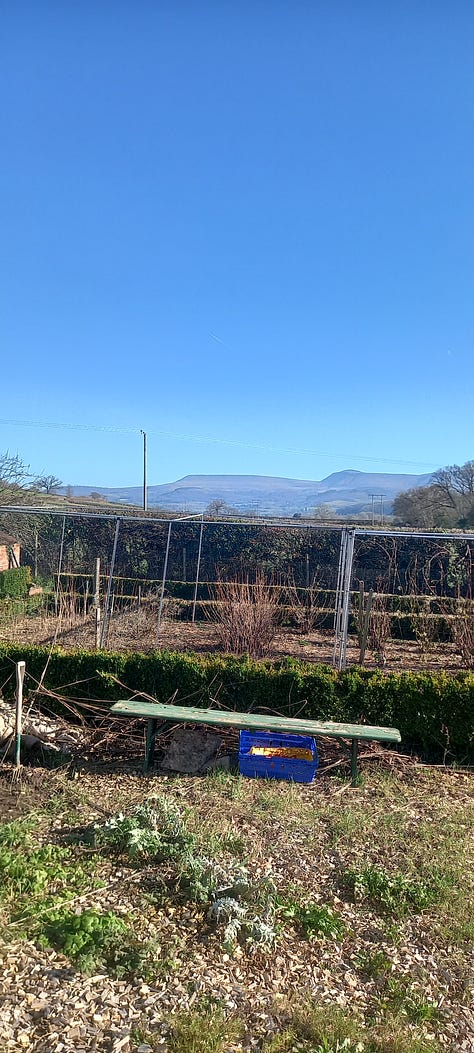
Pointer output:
219, 764
190, 750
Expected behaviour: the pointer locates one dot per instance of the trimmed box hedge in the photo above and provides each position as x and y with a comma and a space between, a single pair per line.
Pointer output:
433, 711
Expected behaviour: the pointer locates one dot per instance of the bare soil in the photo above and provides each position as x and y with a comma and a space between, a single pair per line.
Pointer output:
136, 630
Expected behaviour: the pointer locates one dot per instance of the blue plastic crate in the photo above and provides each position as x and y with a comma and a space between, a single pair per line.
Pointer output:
291, 768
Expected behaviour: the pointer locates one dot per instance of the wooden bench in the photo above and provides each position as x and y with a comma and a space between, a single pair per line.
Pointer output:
156, 712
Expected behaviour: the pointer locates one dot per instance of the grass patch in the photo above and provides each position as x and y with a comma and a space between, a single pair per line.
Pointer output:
400, 999
312, 1028
203, 1031
398, 894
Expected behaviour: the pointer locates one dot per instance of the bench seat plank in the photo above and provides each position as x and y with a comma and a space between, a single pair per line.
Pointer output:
263, 722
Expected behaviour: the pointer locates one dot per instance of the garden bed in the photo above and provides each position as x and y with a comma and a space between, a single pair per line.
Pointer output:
366, 894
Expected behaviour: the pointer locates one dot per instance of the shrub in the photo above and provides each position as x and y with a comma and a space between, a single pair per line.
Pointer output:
433, 711
14, 583
246, 615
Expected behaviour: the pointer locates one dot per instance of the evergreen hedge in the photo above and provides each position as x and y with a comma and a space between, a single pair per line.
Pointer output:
433, 711
15, 582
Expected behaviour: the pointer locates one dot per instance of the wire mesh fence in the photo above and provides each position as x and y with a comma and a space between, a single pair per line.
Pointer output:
403, 600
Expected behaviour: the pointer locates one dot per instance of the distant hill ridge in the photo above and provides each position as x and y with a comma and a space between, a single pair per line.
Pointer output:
345, 493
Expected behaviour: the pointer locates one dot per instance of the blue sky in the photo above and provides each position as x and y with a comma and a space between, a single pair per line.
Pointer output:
247, 222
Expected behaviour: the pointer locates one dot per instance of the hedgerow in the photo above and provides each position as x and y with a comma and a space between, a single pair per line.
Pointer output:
433, 710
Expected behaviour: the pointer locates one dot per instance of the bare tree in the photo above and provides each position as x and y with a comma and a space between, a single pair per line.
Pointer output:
447, 501
218, 507
46, 483
13, 471
13, 478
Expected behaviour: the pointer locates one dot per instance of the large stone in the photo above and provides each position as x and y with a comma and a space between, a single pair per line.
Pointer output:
190, 750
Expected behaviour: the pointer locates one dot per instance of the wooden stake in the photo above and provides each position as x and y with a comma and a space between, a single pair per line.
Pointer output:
97, 583
97, 627
20, 676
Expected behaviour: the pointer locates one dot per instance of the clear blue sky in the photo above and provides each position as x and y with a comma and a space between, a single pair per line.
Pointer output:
247, 221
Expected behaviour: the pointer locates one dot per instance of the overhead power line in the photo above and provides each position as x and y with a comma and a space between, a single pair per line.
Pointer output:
217, 441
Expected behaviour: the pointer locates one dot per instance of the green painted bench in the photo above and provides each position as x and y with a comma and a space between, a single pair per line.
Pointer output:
157, 712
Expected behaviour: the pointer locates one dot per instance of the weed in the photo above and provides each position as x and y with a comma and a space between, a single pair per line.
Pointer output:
243, 906
88, 939
203, 1031
154, 830
397, 893
16, 834
93, 940
313, 919
373, 965
399, 998
46, 870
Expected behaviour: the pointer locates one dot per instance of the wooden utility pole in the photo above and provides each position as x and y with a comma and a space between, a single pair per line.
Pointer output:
145, 490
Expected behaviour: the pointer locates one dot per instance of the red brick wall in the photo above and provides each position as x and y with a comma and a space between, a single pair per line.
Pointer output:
5, 561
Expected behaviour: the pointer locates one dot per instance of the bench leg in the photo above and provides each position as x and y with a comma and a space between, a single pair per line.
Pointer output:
355, 744
150, 744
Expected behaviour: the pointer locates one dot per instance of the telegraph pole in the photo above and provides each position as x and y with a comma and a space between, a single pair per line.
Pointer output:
380, 498
145, 494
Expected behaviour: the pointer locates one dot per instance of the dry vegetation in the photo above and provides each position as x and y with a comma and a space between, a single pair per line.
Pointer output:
135, 629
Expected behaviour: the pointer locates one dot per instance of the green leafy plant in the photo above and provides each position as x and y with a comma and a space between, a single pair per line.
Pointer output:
397, 893
373, 965
89, 939
237, 905
241, 906
400, 998
154, 830
313, 919
41, 870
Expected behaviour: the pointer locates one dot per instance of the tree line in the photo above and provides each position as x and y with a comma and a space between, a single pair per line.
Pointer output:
446, 503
